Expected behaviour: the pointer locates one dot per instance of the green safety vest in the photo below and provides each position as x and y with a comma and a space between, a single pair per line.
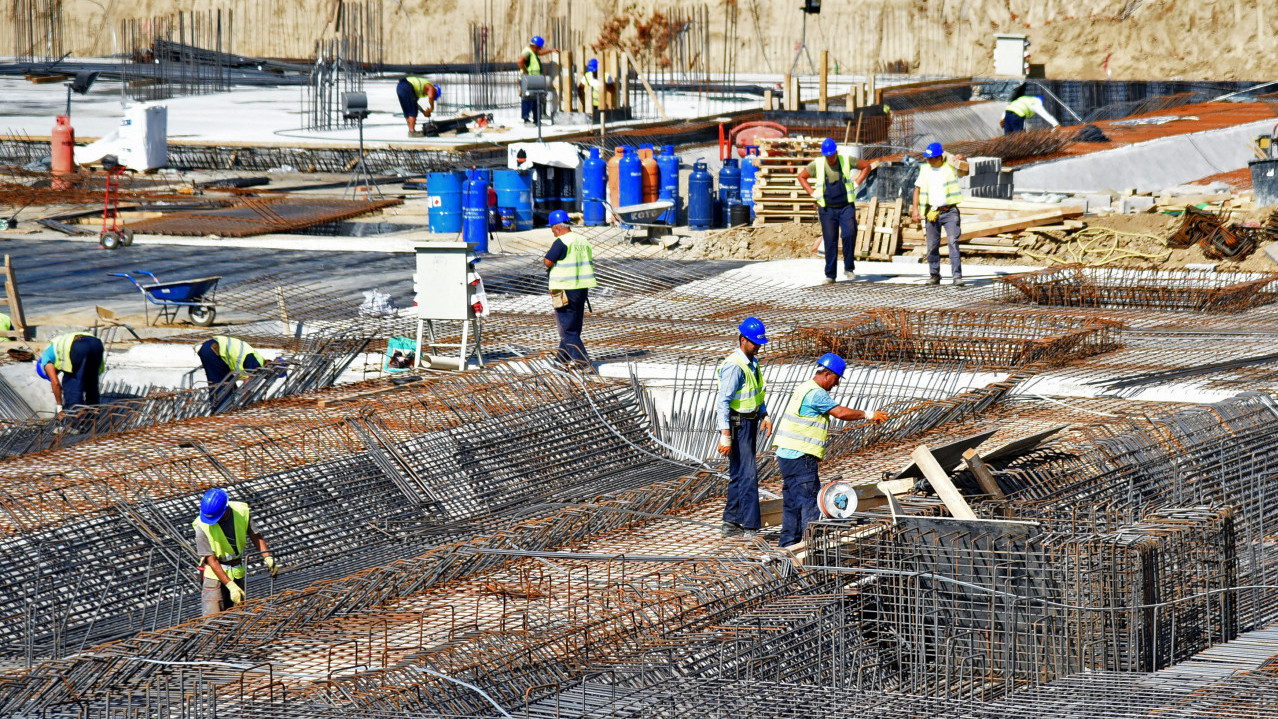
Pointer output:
576, 271
6, 322
750, 397
589, 78
848, 182
221, 545
62, 352
419, 85
802, 434
1022, 106
534, 62
234, 351
953, 193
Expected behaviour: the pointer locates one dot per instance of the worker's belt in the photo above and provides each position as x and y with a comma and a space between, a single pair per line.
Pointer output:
944, 208
231, 562
735, 416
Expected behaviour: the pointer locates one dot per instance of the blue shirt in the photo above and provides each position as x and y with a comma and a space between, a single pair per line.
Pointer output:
817, 403
48, 357
731, 379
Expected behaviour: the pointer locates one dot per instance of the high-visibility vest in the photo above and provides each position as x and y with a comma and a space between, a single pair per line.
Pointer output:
534, 62
749, 397
6, 322
234, 351
420, 84
589, 78
221, 545
848, 182
576, 271
802, 434
62, 352
953, 193
1022, 106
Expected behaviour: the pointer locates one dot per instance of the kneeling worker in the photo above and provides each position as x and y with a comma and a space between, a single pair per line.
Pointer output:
222, 531
800, 443
221, 357
411, 90
78, 356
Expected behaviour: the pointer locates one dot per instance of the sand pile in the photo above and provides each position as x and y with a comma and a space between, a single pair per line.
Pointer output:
769, 242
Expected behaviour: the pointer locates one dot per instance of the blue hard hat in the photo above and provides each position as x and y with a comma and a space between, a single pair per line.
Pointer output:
833, 362
592, 65
213, 505
829, 146
558, 217
933, 150
538, 40
752, 329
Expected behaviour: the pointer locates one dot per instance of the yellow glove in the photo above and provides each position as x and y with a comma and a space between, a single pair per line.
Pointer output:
237, 594
271, 564
932, 215
878, 417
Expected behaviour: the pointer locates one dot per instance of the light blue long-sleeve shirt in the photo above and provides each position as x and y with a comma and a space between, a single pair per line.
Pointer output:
731, 378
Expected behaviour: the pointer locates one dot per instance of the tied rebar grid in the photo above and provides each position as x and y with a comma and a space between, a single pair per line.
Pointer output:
1077, 286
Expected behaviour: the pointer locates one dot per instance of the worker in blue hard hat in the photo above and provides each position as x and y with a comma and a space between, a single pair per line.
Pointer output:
937, 192
223, 530
530, 64
1021, 108
739, 413
411, 90
590, 78
78, 356
829, 181
800, 443
572, 274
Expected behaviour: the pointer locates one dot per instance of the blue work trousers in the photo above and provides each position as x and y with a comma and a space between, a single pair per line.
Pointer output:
742, 506
530, 108
798, 496
80, 385
217, 372
1012, 122
834, 220
569, 319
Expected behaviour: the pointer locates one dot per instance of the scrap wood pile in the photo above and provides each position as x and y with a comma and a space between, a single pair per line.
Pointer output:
998, 228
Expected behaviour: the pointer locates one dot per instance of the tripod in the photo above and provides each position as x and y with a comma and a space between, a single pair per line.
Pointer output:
360, 174
803, 48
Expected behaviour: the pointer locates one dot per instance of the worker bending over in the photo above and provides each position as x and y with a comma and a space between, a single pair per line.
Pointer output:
937, 188
226, 357
411, 91
222, 532
739, 412
800, 443
1020, 109
530, 64
835, 191
78, 356
572, 274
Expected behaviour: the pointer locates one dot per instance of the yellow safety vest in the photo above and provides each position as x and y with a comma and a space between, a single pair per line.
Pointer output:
848, 182
234, 351
534, 62
6, 322
802, 434
62, 352
1022, 106
592, 80
576, 271
221, 545
750, 397
953, 193
419, 85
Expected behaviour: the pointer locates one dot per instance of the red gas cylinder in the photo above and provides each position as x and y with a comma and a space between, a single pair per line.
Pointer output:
62, 148
614, 189
651, 174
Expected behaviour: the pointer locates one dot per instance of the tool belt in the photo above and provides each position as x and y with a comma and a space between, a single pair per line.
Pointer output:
735, 417
558, 298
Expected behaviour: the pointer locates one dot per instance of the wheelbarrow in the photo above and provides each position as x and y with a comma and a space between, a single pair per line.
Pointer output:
643, 217
197, 296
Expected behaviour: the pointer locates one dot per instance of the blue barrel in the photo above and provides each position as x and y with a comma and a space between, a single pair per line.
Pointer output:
668, 165
729, 189
445, 197
515, 191
748, 170
630, 168
475, 211
594, 189
700, 197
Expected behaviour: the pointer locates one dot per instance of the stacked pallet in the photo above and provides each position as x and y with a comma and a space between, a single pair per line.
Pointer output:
778, 196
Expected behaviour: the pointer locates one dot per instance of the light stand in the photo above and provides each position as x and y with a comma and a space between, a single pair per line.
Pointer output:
810, 7
537, 86
355, 107
80, 85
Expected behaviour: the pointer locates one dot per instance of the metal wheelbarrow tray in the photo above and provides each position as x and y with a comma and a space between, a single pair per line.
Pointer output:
197, 296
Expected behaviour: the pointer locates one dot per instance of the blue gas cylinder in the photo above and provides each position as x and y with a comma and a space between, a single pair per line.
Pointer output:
475, 211
630, 169
729, 188
594, 189
700, 197
749, 168
668, 165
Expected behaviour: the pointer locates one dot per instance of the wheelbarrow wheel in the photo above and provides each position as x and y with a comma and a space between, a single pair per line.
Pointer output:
126, 237
201, 315
109, 240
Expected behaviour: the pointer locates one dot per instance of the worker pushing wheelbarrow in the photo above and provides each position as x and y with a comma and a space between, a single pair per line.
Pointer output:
197, 296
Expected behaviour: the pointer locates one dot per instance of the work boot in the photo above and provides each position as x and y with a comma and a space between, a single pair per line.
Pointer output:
749, 533
828, 281
958, 282
730, 529
934, 280
416, 133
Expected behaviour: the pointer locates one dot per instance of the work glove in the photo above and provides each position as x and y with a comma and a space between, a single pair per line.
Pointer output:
932, 215
767, 427
237, 594
272, 565
878, 417
725, 445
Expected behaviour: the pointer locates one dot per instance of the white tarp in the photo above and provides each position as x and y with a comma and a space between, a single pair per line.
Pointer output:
140, 143
554, 154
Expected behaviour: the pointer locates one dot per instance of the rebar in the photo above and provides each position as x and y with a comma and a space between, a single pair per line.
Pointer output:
1077, 286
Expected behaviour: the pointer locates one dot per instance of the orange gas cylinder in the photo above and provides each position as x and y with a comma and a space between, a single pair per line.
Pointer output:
614, 175
651, 174
62, 147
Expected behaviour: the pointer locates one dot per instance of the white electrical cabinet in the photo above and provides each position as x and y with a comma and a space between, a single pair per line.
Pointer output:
1011, 55
443, 292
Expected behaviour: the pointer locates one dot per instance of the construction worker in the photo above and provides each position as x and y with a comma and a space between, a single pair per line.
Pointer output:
221, 537
740, 411
1020, 109
530, 64
937, 188
590, 78
800, 443
411, 91
572, 274
78, 356
835, 191
226, 357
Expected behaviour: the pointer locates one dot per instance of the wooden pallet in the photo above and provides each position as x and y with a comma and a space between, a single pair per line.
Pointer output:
878, 230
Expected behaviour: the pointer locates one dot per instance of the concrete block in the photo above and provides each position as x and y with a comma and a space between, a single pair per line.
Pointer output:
1135, 203
982, 165
1096, 203
1271, 251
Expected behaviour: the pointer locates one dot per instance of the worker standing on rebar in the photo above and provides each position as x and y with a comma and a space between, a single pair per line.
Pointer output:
739, 413
1020, 109
223, 530
800, 443
530, 64
224, 359
572, 274
411, 91
78, 356
937, 188
835, 194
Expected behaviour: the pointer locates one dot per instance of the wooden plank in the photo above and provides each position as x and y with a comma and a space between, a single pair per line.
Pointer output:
648, 88
984, 477
823, 98
940, 482
867, 214
12, 297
